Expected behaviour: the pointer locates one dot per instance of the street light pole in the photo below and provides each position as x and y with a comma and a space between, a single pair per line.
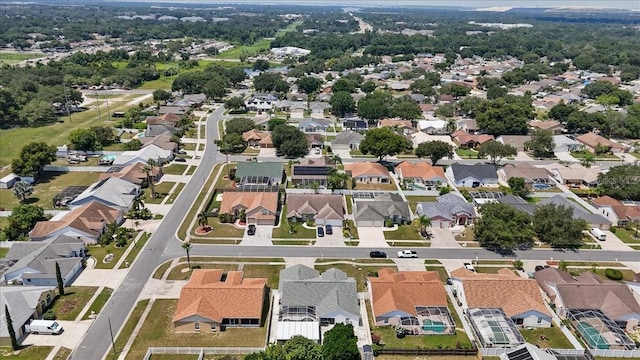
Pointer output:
113, 343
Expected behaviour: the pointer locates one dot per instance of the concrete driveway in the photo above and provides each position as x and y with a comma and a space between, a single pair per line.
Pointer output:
262, 236
522, 156
612, 243
371, 237
267, 152
565, 156
70, 337
335, 239
443, 238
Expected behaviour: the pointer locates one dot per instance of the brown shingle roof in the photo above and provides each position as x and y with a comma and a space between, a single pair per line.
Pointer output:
133, 173
545, 125
395, 122
623, 212
91, 219
421, 170
506, 290
462, 137
249, 201
405, 290
592, 140
207, 296
255, 135
366, 168
323, 206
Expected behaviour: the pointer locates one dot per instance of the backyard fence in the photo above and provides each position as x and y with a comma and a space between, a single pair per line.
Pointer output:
200, 351
589, 353
431, 352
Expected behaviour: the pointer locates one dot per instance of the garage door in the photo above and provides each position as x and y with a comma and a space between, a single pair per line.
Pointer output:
370, 223
332, 222
265, 222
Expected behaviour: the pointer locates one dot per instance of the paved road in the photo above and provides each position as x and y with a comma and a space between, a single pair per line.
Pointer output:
97, 341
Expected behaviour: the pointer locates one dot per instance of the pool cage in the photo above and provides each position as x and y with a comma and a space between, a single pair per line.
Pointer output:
598, 331
494, 328
429, 321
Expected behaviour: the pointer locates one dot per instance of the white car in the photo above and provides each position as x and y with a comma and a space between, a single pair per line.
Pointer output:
407, 254
469, 267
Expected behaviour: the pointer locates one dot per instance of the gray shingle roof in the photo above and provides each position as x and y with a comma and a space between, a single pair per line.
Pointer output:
578, 211
347, 137
332, 291
446, 206
253, 168
22, 302
384, 206
477, 171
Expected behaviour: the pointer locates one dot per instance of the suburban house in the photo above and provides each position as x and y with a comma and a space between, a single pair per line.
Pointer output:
24, 304
472, 176
414, 299
420, 137
518, 297
259, 173
465, 140
554, 126
435, 126
517, 141
532, 175
210, 301
163, 141
619, 213
261, 102
134, 173
447, 211
564, 144
368, 172
315, 140
318, 108
260, 208
404, 126
113, 192
347, 140
310, 303
587, 291
257, 138
149, 152
355, 124
467, 125
85, 222
575, 175
310, 171
313, 125
421, 175
177, 110
164, 119
382, 207
322, 209
35, 262
592, 141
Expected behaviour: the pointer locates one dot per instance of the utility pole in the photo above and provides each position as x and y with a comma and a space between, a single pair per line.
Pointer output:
107, 101
66, 100
98, 101
113, 343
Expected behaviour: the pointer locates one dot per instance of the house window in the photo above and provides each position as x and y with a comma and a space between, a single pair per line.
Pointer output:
539, 320
196, 326
213, 327
265, 212
519, 321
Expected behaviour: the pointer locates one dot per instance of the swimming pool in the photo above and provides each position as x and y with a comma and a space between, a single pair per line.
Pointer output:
435, 326
541, 186
109, 157
592, 335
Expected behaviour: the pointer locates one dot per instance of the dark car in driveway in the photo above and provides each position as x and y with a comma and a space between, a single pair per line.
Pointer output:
320, 231
378, 254
251, 230
328, 229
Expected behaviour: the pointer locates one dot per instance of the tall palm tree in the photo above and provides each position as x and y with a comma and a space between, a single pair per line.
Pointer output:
137, 204
21, 190
424, 221
336, 159
451, 126
187, 247
203, 220
151, 164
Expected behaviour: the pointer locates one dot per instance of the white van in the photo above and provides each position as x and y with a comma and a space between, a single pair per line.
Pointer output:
598, 234
44, 327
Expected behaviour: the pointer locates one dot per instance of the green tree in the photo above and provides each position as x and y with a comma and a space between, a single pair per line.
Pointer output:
455, 90
621, 182
21, 190
301, 348
234, 103
342, 103
340, 343
495, 92
503, 228
375, 105
203, 220
38, 112
368, 86
215, 87
22, 219
383, 142
239, 125
33, 158
232, 143
275, 122
336, 180
12, 332
345, 85
261, 65
496, 151
588, 159
290, 141
161, 95
561, 112
563, 265
187, 248
309, 84
434, 150
405, 108
518, 186
507, 115
556, 226
59, 280
424, 222
84, 139
541, 143
269, 82
133, 145
105, 135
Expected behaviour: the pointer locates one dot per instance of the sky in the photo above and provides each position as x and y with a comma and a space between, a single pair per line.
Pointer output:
620, 4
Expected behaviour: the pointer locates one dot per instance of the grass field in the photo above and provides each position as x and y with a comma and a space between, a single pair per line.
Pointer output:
139, 245
98, 303
162, 190
174, 169
414, 200
404, 232
68, 307
127, 329
388, 335
12, 58
158, 331
27, 353
12, 140
100, 252
467, 153
555, 339
271, 272
49, 185
221, 230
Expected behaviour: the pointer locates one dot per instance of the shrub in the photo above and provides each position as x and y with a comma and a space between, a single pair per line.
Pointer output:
225, 218
613, 230
388, 223
613, 274
49, 315
375, 338
372, 273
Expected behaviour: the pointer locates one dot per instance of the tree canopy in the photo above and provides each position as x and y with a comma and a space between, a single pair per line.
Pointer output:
290, 141
33, 158
383, 142
434, 150
239, 125
342, 103
340, 343
621, 182
555, 225
541, 143
503, 228
22, 219
496, 151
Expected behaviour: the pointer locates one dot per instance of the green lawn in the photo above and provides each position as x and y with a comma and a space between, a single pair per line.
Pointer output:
236, 52
100, 252
174, 195
627, 275
49, 185
583, 154
555, 339
302, 232
19, 56
388, 335
174, 169
127, 329
177, 272
158, 331
348, 199
162, 190
221, 230
191, 170
358, 153
467, 153
3, 251
233, 259
68, 307
442, 272
414, 200
359, 273
12, 140
27, 353
404, 232
137, 246
186, 223
627, 236
358, 261
99, 302
271, 272
353, 229
62, 354
159, 273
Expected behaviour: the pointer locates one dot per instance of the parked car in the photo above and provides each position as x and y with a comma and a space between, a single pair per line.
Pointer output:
179, 159
182, 152
378, 254
251, 230
328, 229
407, 254
469, 267
320, 231
317, 151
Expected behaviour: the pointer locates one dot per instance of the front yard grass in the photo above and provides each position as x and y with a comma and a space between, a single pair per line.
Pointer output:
100, 252
162, 190
441, 270
49, 185
404, 232
555, 339
627, 236
128, 327
68, 306
583, 154
353, 229
174, 169
182, 272
348, 200
221, 230
271, 272
99, 302
359, 273
186, 222
627, 275
62, 354
158, 331
414, 200
27, 353
282, 232
388, 335
159, 273
467, 153
139, 245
